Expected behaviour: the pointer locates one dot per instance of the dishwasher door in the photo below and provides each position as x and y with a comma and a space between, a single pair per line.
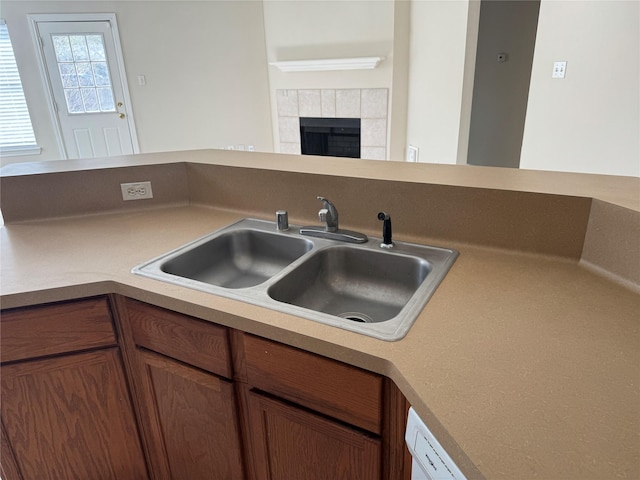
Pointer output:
430, 460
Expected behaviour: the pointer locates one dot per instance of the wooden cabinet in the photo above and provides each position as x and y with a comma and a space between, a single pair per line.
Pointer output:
312, 417
151, 393
66, 408
290, 442
220, 403
190, 414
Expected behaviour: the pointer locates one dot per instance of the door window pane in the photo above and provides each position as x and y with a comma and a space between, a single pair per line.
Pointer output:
90, 99
85, 75
68, 75
63, 49
79, 48
107, 103
96, 48
74, 100
101, 74
83, 67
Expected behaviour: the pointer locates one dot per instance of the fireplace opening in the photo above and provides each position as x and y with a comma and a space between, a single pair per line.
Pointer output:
335, 137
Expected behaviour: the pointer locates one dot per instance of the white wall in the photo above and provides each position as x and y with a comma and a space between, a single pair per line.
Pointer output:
316, 29
438, 46
399, 98
204, 61
589, 121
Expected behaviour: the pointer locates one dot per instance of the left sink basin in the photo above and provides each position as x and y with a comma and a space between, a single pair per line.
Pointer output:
240, 258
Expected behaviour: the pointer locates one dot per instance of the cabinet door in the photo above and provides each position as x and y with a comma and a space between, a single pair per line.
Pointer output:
71, 417
291, 443
197, 416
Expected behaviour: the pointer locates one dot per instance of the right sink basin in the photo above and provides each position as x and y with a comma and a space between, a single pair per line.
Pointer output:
358, 285
363, 288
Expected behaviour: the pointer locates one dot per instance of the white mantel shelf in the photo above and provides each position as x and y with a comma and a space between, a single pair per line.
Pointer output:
359, 63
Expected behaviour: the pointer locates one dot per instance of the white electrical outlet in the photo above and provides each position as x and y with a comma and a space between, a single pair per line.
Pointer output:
136, 190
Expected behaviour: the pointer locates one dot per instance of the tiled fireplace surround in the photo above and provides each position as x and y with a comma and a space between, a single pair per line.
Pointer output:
368, 104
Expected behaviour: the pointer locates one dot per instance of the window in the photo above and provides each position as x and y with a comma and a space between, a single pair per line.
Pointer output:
16, 131
82, 63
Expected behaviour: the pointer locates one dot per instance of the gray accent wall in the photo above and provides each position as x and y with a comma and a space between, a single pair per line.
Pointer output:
501, 85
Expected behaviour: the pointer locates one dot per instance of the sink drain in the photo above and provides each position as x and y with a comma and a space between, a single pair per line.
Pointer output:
356, 317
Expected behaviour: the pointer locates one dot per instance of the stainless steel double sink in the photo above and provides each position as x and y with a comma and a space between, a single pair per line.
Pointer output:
357, 287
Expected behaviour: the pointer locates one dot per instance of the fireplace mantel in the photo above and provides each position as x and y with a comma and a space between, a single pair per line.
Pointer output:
359, 63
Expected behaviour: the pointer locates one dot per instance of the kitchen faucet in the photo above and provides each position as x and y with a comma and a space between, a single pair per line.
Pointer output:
328, 214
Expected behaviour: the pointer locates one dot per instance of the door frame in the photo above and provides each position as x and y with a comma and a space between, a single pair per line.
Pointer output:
34, 19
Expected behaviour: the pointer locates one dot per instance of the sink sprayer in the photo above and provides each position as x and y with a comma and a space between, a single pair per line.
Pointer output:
387, 242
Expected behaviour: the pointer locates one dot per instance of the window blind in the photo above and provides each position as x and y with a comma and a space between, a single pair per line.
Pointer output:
16, 130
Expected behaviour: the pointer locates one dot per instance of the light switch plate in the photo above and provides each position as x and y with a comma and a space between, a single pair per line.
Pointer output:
559, 69
412, 154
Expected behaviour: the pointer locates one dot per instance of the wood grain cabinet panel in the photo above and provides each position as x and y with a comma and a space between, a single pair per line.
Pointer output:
291, 443
197, 416
188, 411
199, 343
57, 328
70, 417
327, 386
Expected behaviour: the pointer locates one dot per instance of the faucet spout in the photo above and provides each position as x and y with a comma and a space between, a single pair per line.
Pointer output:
328, 214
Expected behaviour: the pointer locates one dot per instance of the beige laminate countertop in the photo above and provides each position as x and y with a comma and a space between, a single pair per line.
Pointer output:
526, 361
529, 363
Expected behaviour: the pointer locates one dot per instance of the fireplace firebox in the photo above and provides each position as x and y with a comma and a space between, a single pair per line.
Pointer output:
335, 137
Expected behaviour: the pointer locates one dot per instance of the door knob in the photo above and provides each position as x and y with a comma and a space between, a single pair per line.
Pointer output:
121, 115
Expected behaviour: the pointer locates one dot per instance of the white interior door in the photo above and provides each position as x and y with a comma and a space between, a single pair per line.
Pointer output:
88, 87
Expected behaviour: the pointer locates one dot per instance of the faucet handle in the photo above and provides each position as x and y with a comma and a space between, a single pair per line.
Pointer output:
322, 214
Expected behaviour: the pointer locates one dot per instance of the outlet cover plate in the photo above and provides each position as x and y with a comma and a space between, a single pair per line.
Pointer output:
136, 191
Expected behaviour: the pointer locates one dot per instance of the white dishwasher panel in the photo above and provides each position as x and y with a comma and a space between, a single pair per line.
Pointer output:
430, 460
